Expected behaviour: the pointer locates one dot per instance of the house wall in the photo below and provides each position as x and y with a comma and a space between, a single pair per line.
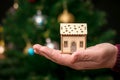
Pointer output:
71, 39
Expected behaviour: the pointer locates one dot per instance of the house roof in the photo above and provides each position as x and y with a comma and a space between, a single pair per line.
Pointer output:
73, 28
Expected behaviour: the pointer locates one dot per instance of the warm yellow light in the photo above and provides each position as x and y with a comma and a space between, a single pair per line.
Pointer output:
2, 49
28, 45
15, 5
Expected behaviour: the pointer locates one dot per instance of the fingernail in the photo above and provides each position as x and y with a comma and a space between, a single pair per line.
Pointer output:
36, 51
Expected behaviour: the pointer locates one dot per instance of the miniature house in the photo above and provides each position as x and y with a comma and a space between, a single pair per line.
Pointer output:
73, 36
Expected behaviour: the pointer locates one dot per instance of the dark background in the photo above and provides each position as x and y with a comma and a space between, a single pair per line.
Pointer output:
111, 7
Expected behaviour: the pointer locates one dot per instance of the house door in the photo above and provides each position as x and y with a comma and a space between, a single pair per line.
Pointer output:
73, 47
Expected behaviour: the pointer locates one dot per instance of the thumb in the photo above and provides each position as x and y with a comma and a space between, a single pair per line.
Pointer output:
82, 56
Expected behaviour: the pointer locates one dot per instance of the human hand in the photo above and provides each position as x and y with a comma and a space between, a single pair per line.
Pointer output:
99, 56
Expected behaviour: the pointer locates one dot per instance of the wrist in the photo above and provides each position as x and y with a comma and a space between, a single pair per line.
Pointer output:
116, 66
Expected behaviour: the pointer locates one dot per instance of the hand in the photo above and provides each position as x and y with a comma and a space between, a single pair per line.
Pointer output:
99, 56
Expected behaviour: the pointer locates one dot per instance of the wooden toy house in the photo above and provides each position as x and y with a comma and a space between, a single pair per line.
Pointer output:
73, 36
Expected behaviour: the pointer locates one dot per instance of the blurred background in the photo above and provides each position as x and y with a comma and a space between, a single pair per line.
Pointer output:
26, 22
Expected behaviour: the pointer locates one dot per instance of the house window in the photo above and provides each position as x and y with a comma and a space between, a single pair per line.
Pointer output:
81, 44
65, 43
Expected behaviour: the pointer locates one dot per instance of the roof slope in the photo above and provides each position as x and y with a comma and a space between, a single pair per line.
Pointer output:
73, 28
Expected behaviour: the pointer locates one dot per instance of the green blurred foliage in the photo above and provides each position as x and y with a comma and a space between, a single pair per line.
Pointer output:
19, 23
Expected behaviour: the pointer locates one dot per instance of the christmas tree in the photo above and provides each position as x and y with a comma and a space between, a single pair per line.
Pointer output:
38, 21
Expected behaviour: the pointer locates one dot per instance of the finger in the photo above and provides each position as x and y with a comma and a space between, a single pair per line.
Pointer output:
54, 55
57, 56
36, 47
